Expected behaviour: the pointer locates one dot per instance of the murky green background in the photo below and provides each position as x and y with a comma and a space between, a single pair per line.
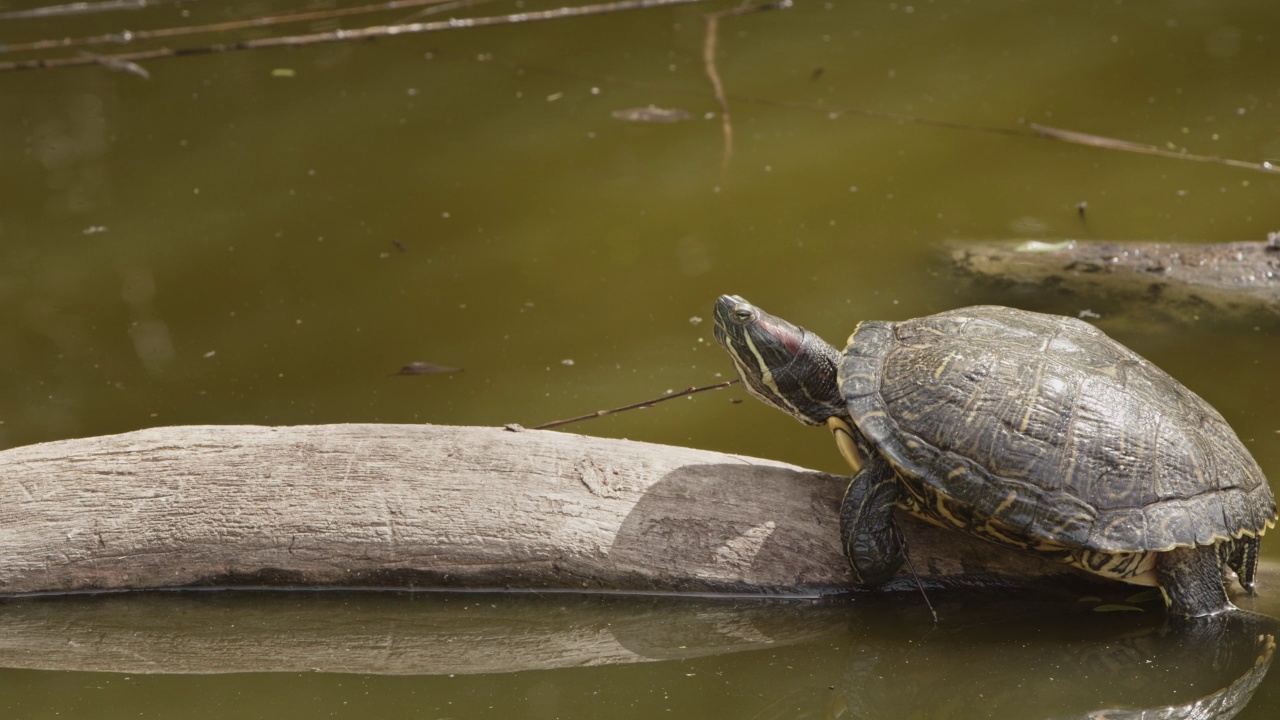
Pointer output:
221, 244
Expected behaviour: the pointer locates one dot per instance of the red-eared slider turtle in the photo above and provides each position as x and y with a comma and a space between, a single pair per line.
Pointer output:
1034, 431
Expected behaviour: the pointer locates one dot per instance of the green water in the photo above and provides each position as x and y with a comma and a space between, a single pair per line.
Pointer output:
225, 243
346, 655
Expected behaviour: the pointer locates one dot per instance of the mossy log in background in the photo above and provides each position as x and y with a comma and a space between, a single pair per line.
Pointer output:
1238, 278
435, 506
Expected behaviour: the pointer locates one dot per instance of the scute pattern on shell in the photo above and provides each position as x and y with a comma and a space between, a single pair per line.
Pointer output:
1053, 429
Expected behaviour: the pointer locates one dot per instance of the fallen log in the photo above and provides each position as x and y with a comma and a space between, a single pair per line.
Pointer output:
424, 506
1182, 279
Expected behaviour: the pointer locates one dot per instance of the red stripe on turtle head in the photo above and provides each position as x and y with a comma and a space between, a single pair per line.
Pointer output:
789, 335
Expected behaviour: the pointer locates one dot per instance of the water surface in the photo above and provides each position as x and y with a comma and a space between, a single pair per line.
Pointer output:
228, 243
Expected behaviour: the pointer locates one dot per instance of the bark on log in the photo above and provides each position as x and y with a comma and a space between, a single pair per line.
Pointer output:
434, 506
1239, 278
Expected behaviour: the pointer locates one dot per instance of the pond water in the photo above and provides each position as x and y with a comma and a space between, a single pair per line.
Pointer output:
266, 237
345, 655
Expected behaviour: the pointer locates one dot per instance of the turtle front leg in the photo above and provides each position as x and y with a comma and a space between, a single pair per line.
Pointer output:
1241, 555
1191, 581
870, 537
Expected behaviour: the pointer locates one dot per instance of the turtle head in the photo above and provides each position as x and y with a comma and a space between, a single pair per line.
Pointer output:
781, 364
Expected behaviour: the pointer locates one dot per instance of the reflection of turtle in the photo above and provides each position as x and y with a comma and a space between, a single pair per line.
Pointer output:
1068, 666
1034, 431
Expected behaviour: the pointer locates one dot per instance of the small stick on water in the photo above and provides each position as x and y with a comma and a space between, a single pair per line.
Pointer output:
1100, 141
135, 36
709, 66
634, 406
920, 585
77, 8
348, 35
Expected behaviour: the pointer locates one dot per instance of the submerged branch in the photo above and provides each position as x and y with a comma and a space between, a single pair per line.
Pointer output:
366, 33
131, 36
709, 66
130, 61
85, 8
1107, 143
1031, 132
717, 87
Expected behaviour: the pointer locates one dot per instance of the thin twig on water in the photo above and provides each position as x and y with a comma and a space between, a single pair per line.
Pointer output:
911, 566
84, 8
446, 7
1031, 131
120, 65
132, 36
1107, 143
129, 60
709, 66
634, 406
1037, 132
366, 33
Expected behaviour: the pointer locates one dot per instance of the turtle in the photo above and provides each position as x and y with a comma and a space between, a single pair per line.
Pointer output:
1037, 432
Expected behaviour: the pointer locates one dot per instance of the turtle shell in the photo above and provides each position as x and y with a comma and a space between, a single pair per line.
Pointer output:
1052, 432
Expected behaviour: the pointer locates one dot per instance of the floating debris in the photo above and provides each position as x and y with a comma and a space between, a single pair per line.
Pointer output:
652, 114
118, 64
1036, 246
426, 368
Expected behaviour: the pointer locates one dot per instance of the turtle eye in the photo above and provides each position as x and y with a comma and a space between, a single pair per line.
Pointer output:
744, 314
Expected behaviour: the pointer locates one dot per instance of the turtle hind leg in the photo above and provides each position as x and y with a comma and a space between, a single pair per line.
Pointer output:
1191, 580
871, 539
1241, 555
